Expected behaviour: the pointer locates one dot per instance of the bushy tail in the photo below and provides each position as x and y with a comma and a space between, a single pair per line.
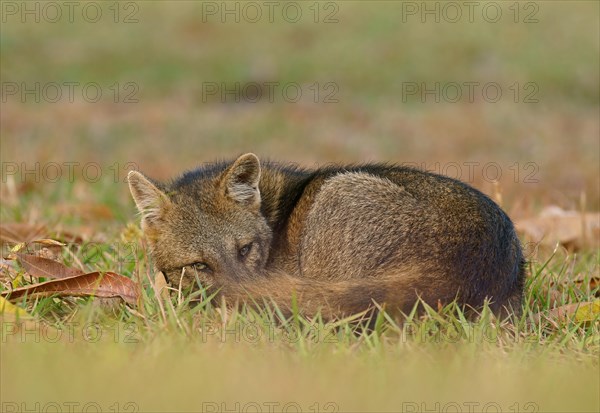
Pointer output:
396, 292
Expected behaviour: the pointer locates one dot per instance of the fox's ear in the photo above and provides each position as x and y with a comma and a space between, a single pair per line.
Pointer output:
241, 180
150, 200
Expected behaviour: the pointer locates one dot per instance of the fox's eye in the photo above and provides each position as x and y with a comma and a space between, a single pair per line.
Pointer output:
245, 250
199, 266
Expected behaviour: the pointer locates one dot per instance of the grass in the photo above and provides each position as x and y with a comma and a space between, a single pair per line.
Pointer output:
197, 358
163, 356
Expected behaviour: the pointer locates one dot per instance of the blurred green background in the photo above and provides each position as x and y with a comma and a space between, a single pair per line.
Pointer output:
542, 133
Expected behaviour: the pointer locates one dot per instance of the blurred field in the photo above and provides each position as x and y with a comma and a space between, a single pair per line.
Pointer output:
547, 152
369, 54
200, 377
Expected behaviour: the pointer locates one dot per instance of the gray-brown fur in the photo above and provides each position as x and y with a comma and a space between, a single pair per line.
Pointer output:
337, 238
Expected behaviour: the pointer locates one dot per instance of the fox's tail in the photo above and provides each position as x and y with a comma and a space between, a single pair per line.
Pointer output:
397, 291
333, 299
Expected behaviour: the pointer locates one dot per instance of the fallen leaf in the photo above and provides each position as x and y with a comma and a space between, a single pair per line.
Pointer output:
587, 282
21, 232
44, 267
571, 229
557, 290
48, 242
108, 284
586, 311
14, 312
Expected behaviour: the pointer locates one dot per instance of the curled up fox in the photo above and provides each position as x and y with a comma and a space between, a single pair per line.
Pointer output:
336, 240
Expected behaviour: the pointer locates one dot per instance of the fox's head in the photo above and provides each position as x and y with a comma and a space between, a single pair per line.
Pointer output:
206, 224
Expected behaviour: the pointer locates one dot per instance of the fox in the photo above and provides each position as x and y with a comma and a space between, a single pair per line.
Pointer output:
335, 240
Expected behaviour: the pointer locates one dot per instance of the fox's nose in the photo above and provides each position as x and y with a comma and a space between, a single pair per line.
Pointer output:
240, 273
234, 270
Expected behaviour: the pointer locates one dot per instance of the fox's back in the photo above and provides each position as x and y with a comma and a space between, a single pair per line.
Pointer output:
365, 221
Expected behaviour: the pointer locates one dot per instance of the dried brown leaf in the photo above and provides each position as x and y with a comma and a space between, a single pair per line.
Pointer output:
571, 229
585, 311
586, 282
48, 242
108, 284
21, 232
44, 267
